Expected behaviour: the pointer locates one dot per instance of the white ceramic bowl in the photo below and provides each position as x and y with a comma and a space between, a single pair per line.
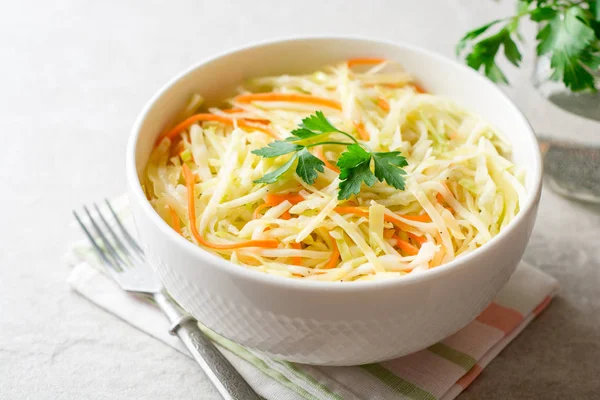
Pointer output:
331, 323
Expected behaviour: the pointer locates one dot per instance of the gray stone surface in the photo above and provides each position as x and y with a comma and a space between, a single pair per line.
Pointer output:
73, 77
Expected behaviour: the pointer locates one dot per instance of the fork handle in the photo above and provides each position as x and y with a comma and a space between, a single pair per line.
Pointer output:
228, 381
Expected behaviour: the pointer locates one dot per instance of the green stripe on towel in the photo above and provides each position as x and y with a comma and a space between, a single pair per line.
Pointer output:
310, 380
457, 357
257, 362
396, 383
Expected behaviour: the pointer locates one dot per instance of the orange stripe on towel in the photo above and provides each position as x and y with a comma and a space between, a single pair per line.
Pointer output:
542, 306
500, 317
470, 376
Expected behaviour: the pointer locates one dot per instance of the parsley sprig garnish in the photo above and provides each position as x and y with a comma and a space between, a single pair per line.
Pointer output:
354, 163
569, 35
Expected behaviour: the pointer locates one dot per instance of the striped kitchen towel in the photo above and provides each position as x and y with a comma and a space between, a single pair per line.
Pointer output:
441, 371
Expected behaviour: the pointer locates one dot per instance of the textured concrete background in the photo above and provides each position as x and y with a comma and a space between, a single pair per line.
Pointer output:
73, 77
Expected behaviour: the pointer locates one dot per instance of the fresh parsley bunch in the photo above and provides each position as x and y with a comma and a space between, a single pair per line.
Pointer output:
569, 34
354, 163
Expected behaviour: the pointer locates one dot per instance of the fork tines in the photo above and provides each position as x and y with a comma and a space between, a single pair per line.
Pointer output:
120, 252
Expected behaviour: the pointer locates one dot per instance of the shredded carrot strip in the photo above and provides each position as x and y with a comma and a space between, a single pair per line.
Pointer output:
189, 183
440, 199
319, 154
386, 85
297, 260
286, 215
417, 239
182, 126
259, 121
394, 85
399, 224
258, 209
290, 97
406, 247
364, 61
385, 106
177, 149
335, 254
362, 132
419, 218
274, 199
239, 110
352, 210
174, 220
419, 88
175, 131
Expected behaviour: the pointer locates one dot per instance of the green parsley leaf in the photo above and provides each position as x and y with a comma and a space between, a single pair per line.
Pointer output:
277, 148
352, 179
511, 51
462, 43
569, 34
308, 166
354, 163
543, 14
302, 133
595, 25
592, 61
353, 156
319, 123
495, 74
274, 175
388, 167
595, 10
567, 39
484, 54
542, 37
311, 127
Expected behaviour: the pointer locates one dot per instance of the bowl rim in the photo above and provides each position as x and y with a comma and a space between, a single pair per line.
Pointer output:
533, 195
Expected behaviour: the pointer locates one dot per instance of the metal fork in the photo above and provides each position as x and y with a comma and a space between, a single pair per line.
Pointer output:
123, 258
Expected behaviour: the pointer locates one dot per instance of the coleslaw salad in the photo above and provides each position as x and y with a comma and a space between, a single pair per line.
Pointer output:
461, 188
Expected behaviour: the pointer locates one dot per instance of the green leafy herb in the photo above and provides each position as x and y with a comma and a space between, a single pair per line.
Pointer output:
388, 168
302, 133
308, 166
277, 148
569, 35
272, 177
353, 156
463, 42
543, 14
354, 162
352, 179
319, 123
566, 38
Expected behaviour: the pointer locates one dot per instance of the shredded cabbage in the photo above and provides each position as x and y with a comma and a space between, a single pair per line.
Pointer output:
461, 187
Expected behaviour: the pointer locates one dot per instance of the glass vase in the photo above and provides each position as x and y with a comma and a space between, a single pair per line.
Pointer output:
586, 104
572, 170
